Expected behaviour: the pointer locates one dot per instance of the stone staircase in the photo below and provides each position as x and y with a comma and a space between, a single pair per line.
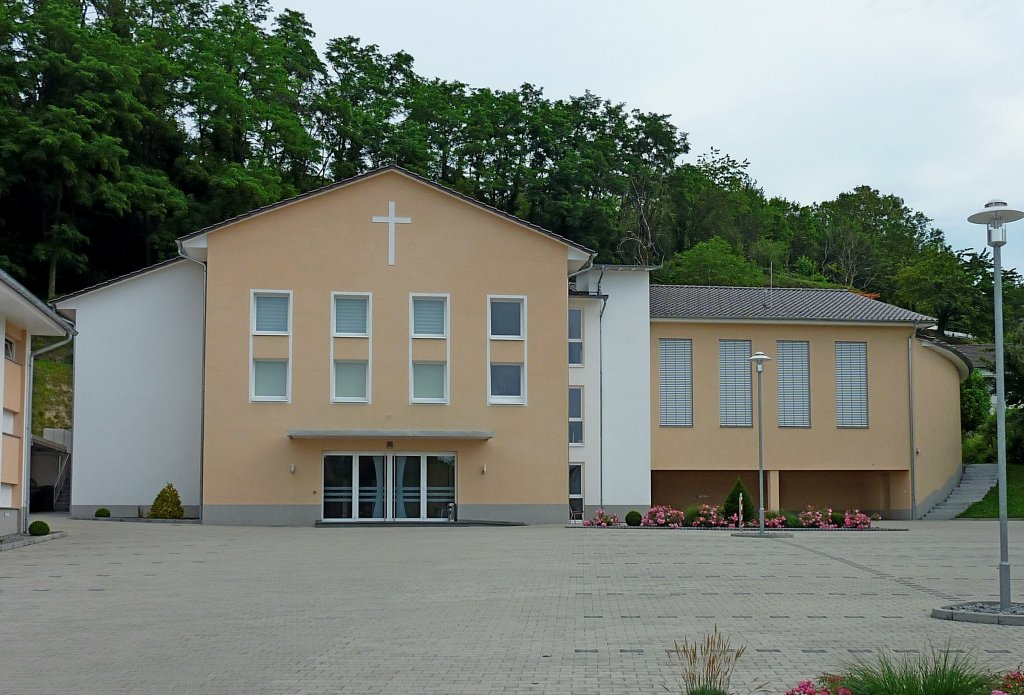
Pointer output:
977, 480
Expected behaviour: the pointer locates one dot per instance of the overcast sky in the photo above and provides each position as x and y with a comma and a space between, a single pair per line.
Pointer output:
921, 99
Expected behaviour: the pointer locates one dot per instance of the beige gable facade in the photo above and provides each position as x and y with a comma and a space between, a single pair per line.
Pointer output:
450, 250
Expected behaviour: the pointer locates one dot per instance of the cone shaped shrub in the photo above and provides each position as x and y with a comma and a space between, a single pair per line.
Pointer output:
167, 505
732, 502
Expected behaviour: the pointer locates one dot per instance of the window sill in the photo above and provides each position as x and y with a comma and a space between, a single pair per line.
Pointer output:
351, 335
429, 337
350, 400
507, 337
506, 401
268, 399
427, 401
271, 332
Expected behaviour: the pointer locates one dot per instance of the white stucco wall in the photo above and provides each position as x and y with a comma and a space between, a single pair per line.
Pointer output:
623, 464
589, 377
138, 389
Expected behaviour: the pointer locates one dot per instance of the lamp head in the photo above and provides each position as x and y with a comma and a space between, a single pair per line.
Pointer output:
758, 359
995, 215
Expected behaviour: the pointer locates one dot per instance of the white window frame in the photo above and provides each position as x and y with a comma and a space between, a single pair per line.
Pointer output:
583, 487
519, 299
334, 314
288, 381
252, 311
785, 380
507, 400
335, 398
722, 412
580, 340
447, 315
448, 346
253, 398
840, 424
428, 401
581, 419
677, 383
10, 350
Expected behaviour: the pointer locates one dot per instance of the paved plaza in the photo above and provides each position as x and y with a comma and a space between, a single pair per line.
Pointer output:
156, 608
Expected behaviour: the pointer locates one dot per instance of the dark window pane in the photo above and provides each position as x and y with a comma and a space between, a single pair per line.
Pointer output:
575, 480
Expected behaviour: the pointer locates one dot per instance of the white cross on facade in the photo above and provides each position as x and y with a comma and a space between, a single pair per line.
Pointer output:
391, 221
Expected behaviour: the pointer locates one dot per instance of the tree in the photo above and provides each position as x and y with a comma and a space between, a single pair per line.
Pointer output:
934, 282
711, 262
975, 402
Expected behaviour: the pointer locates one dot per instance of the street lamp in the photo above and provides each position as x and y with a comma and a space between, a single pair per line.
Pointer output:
995, 215
758, 359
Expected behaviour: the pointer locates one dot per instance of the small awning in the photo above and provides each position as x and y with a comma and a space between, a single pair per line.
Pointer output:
389, 434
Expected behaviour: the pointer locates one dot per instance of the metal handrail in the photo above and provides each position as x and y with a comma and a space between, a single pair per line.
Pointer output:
58, 484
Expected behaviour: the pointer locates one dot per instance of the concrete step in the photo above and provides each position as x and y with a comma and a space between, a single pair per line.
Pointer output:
975, 483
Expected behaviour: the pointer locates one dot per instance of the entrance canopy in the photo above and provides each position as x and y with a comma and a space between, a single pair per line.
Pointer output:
389, 434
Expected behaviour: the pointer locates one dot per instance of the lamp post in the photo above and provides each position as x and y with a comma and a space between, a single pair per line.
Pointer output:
758, 359
995, 215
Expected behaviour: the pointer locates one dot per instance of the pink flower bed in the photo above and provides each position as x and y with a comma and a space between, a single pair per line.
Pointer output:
602, 518
663, 516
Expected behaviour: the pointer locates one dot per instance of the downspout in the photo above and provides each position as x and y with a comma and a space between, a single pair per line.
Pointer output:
202, 389
913, 439
26, 464
600, 388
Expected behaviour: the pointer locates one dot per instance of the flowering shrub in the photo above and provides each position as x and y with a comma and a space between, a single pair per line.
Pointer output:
1011, 684
663, 515
856, 519
602, 518
816, 518
828, 685
772, 520
711, 516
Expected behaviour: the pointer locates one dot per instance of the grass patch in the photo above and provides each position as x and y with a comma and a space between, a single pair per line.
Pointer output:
51, 396
988, 506
940, 673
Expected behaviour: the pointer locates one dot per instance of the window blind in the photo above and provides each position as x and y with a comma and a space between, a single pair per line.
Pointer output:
428, 380
428, 317
507, 380
794, 382
350, 315
851, 384
270, 379
734, 400
675, 382
507, 318
271, 313
350, 380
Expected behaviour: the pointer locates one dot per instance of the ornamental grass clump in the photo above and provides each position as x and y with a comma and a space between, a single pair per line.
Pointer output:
938, 673
602, 518
663, 515
706, 667
167, 504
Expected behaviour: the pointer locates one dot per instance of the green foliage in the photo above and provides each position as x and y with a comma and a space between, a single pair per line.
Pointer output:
167, 504
38, 528
732, 502
975, 402
633, 518
938, 673
711, 262
988, 506
51, 395
706, 666
102, 513
980, 446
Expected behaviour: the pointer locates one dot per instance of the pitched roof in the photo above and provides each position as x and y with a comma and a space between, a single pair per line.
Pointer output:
777, 304
34, 305
376, 172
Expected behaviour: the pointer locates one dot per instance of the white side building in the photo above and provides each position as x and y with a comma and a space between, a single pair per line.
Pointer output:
138, 336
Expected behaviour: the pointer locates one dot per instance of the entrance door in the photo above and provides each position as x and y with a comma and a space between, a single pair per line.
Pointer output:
361, 487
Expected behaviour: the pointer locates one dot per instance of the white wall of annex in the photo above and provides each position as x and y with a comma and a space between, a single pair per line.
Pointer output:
626, 426
138, 389
589, 377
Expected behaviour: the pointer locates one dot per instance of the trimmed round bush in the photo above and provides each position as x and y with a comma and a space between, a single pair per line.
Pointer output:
38, 528
103, 512
633, 518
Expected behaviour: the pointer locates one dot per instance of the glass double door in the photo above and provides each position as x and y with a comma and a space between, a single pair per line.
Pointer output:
382, 487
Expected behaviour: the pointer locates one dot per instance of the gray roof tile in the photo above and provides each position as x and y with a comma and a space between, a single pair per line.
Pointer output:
776, 304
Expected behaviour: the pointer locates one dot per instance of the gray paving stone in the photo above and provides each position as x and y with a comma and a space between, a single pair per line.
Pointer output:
127, 608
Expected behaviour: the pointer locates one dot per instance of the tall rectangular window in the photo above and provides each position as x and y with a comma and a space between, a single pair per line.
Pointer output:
793, 376
351, 315
507, 318
429, 317
735, 407
851, 384
576, 491
575, 415
9, 351
270, 315
675, 382
271, 312
576, 337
